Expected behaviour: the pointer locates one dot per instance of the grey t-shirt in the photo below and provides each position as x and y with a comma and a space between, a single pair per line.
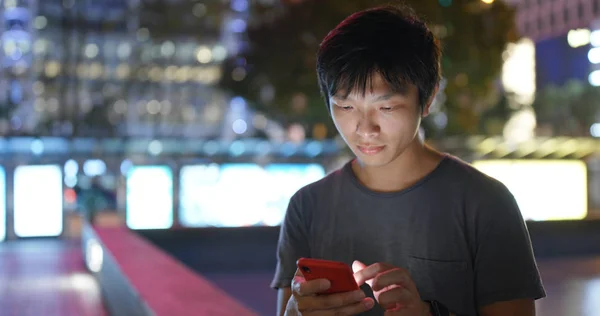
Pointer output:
458, 232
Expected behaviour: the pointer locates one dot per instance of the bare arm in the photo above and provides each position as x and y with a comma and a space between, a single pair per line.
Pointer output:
523, 307
283, 296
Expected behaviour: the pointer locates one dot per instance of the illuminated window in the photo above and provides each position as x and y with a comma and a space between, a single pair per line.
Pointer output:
2, 204
43, 215
221, 195
149, 197
544, 189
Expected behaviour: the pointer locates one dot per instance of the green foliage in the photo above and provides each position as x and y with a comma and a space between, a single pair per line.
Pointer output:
568, 110
493, 120
282, 54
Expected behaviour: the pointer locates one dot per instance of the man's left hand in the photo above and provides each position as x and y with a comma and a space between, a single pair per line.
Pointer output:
393, 288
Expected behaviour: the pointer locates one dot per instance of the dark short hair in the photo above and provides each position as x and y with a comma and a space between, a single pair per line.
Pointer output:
391, 41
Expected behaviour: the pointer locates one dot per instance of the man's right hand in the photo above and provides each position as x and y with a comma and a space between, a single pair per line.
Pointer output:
305, 300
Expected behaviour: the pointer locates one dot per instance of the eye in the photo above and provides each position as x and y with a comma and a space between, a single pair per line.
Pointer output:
345, 107
386, 108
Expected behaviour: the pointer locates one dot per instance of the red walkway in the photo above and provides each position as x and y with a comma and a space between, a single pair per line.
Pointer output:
572, 285
46, 277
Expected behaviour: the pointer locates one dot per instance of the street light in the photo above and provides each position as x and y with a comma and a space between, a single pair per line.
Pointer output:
487, 1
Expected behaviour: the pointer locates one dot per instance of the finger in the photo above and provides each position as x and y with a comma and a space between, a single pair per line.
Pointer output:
352, 309
330, 301
302, 287
395, 298
370, 272
297, 280
358, 266
395, 312
312, 287
392, 277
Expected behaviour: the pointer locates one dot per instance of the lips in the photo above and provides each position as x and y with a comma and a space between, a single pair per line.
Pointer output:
370, 149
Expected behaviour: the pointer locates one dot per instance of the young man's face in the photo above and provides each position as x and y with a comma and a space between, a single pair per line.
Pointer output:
380, 125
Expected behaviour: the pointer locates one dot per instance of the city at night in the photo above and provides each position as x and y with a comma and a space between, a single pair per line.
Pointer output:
299, 157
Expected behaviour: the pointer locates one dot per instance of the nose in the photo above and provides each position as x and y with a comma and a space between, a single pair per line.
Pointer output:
367, 127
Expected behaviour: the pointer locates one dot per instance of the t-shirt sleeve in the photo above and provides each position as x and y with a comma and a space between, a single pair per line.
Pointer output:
505, 267
293, 241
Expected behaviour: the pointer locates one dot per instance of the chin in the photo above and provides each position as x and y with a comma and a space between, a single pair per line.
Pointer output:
381, 159
373, 161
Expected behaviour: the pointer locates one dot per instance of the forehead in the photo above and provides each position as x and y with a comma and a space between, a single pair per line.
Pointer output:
376, 88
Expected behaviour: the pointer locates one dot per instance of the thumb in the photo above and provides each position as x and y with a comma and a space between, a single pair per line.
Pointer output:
357, 266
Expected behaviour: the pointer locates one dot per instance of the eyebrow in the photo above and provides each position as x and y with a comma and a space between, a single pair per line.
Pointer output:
383, 97
386, 97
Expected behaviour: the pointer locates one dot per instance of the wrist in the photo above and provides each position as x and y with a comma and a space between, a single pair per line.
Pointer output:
437, 309
427, 309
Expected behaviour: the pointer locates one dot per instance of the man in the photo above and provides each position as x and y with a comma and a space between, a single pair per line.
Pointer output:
424, 232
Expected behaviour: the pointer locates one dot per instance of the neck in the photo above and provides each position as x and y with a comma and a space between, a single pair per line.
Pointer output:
408, 168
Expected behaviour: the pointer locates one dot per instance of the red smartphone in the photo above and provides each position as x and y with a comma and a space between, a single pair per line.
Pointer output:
338, 273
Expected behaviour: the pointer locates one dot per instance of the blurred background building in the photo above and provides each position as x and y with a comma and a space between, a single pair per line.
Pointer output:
157, 114
120, 68
100, 88
561, 30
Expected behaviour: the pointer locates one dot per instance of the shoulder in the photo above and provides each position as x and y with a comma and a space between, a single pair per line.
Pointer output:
475, 182
320, 188
489, 209
304, 203
481, 194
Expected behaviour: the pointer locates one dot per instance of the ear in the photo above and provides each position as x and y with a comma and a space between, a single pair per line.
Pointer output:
427, 106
